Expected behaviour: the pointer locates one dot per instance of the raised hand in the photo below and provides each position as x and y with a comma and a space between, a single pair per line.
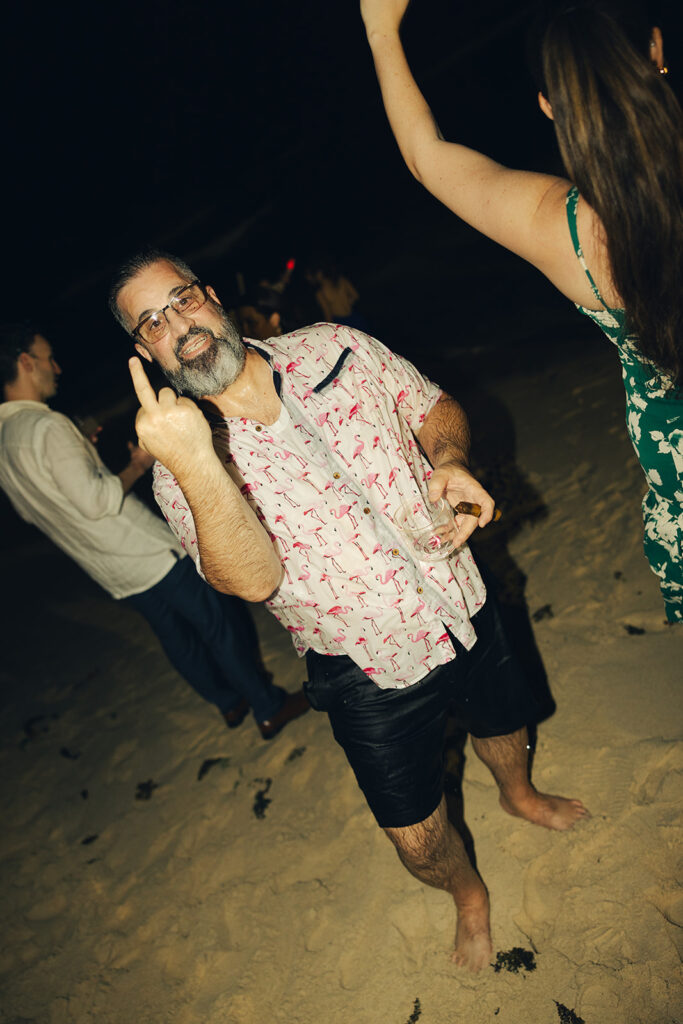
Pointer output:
171, 429
383, 15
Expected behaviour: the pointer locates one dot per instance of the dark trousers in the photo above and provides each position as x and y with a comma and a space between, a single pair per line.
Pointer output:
210, 640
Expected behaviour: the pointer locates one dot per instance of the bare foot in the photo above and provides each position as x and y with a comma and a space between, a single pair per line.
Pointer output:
473, 947
550, 811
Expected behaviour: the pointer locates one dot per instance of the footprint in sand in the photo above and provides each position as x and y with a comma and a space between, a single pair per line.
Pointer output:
601, 997
543, 894
638, 622
410, 920
122, 753
238, 927
606, 778
661, 781
355, 969
48, 908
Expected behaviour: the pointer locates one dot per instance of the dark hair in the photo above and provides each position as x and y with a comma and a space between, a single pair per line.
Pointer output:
326, 264
14, 339
620, 132
632, 16
132, 267
263, 298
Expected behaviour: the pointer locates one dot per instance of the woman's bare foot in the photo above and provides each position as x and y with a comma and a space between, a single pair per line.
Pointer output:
473, 947
555, 812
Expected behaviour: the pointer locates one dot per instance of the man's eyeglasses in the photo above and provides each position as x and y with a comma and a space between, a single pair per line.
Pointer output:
185, 302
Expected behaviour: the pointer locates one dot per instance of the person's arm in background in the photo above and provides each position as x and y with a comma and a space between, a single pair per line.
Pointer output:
80, 474
140, 462
237, 555
521, 210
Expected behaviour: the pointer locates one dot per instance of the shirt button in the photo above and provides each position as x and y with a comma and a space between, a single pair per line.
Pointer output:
336, 475
366, 510
419, 590
395, 551
258, 427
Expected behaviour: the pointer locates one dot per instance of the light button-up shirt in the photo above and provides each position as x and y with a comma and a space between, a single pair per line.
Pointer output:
326, 480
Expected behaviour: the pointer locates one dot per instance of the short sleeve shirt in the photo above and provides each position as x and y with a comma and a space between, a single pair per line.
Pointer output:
326, 480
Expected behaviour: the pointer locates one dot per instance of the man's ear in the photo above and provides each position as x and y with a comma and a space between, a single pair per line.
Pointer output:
274, 320
142, 352
26, 362
211, 293
544, 104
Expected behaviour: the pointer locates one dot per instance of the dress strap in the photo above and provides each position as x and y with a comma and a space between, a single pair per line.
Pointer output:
572, 205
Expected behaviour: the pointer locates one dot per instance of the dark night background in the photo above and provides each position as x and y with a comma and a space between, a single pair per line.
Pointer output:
239, 135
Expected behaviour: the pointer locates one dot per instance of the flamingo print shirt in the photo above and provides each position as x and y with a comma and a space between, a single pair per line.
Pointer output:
326, 480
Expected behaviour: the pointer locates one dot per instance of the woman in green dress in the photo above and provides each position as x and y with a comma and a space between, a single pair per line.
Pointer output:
611, 238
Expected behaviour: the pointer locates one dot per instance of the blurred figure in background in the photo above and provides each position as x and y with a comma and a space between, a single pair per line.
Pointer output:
259, 313
335, 295
55, 479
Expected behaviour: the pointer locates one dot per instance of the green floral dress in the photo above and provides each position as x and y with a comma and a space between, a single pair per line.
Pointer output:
654, 417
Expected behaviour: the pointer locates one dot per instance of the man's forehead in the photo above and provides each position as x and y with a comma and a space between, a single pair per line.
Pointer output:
150, 288
40, 345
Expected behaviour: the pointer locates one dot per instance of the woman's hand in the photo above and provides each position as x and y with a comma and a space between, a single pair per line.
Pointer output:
383, 15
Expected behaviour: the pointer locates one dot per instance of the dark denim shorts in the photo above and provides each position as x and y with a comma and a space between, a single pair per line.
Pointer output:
393, 739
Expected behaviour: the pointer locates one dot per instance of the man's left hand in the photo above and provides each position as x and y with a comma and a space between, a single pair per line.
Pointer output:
454, 482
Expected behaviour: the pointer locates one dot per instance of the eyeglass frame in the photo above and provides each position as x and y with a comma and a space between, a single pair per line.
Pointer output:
135, 333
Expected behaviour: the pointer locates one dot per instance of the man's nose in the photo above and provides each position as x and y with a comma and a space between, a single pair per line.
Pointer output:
56, 367
179, 325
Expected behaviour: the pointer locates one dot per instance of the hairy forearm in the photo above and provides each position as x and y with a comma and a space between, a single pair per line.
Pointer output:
445, 439
237, 555
445, 434
410, 117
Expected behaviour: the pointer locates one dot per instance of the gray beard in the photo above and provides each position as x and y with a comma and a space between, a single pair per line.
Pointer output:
212, 371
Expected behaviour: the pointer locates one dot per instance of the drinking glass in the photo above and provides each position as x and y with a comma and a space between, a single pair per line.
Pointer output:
428, 528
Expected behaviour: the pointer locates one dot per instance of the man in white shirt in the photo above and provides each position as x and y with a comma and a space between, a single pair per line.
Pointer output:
290, 496
56, 480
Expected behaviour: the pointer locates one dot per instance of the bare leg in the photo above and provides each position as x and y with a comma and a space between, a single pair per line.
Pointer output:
434, 853
507, 758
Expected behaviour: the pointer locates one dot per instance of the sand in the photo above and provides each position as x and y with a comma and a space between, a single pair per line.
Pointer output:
135, 891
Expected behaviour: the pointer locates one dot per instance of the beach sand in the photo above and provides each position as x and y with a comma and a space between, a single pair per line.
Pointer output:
158, 868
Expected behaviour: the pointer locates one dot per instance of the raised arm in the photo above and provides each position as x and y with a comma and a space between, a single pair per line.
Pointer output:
237, 555
521, 210
445, 439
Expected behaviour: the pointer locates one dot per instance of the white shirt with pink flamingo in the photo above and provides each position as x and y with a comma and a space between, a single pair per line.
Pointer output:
326, 480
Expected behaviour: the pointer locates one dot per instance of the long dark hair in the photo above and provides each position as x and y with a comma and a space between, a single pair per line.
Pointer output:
620, 132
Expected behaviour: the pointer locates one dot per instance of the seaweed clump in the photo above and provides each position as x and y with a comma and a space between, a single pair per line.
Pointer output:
514, 960
416, 1014
566, 1015
210, 763
145, 789
261, 801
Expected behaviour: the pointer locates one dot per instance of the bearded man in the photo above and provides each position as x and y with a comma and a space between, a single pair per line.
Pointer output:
290, 495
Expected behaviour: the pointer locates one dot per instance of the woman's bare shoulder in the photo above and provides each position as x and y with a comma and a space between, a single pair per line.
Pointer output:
559, 260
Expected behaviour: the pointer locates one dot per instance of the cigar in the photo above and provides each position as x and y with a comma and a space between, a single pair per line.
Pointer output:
470, 508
